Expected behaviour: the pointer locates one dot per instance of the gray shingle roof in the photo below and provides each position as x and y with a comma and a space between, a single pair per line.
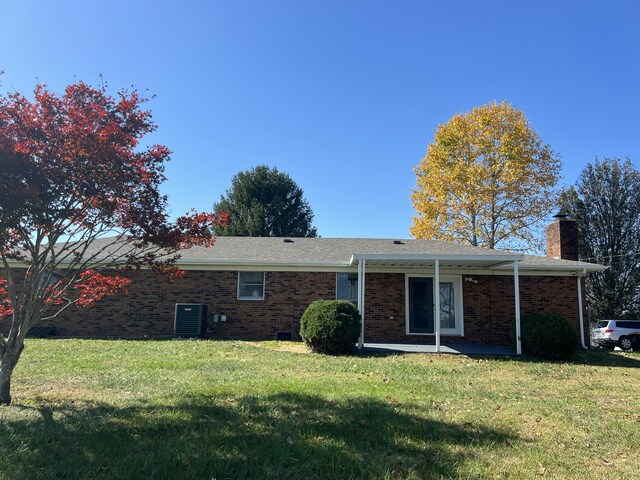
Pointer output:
344, 252
340, 252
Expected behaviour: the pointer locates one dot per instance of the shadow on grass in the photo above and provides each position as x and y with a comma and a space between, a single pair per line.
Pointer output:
606, 358
594, 357
285, 435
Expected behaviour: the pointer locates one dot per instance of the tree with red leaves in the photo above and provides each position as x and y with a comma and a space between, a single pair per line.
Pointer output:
79, 204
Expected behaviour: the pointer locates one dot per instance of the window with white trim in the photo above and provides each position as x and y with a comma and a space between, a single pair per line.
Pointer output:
347, 286
250, 285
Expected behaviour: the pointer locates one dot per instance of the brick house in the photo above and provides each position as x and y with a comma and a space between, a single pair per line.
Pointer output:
261, 286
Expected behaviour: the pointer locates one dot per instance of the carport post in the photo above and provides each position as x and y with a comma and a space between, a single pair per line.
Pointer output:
361, 273
436, 301
516, 287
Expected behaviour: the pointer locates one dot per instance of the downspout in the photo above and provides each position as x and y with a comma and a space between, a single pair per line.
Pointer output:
361, 273
436, 301
580, 315
516, 287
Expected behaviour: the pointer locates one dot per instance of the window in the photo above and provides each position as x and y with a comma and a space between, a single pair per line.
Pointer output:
447, 306
250, 285
347, 286
420, 306
47, 281
627, 324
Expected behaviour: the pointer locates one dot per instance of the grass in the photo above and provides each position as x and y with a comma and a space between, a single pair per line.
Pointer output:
204, 410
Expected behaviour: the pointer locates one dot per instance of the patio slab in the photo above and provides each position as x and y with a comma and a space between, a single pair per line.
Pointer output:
455, 348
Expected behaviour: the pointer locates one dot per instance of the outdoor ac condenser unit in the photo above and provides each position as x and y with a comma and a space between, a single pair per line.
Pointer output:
190, 319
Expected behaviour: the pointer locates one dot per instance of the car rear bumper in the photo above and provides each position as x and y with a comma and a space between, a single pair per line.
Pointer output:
604, 342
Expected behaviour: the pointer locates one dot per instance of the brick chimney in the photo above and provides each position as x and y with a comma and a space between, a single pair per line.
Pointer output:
562, 238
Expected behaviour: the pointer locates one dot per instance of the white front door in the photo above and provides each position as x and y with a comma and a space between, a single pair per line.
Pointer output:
420, 306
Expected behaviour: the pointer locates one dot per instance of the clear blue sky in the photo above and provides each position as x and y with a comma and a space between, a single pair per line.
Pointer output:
342, 95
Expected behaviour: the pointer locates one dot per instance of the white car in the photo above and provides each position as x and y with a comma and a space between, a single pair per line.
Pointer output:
616, 333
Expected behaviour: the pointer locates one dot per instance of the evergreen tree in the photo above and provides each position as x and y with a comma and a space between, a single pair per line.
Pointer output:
264, 202
606, 204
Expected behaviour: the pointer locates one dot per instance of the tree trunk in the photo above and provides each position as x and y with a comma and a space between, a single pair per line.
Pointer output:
8, 362
5, 386
6, 369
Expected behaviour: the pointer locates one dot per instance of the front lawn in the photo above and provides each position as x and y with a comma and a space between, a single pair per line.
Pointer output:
203, 410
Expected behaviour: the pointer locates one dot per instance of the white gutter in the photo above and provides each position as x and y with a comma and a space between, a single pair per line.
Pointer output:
221, 263
265, 263
563, 268
581, 316
492, 258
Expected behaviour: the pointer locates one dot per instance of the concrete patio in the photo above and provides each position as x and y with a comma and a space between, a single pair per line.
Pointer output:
455, 348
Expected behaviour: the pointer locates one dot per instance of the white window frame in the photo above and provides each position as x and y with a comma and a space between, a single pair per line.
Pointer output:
345, 299
259, 298
457, 292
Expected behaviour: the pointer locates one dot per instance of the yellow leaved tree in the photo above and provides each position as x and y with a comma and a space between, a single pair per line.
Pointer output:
487, 179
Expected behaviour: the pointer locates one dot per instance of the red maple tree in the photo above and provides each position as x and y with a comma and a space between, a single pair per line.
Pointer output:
79, 204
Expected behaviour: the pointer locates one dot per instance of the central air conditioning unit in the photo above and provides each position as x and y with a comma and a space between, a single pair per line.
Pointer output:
190, 319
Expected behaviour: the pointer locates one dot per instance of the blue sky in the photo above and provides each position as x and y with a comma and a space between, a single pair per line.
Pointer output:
342, 95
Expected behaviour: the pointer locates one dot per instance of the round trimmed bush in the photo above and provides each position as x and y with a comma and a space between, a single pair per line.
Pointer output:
330, 326
547, 335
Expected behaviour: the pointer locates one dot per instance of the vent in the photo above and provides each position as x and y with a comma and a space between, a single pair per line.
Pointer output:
283, 336
189, 320
398, 242
288, 240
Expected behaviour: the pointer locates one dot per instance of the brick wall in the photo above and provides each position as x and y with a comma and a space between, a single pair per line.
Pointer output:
488, 303
562, 239
384, 319
148, 309
491, 304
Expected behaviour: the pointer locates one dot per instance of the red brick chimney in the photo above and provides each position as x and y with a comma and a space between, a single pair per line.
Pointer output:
562, 238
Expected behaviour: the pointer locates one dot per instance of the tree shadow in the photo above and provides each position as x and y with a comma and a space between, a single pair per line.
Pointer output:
594, 357
606, 358
283, 435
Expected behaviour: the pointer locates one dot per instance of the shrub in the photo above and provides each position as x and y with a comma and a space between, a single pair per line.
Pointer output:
547, 335
330, 326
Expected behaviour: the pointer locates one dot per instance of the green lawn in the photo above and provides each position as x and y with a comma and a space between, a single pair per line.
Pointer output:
204, 410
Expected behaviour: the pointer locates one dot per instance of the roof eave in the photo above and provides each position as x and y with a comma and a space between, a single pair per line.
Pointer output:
261, 263
491, 259
560, 268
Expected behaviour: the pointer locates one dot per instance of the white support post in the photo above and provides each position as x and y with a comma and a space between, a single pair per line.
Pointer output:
361, 274
436, 301
516, 287
584, 345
